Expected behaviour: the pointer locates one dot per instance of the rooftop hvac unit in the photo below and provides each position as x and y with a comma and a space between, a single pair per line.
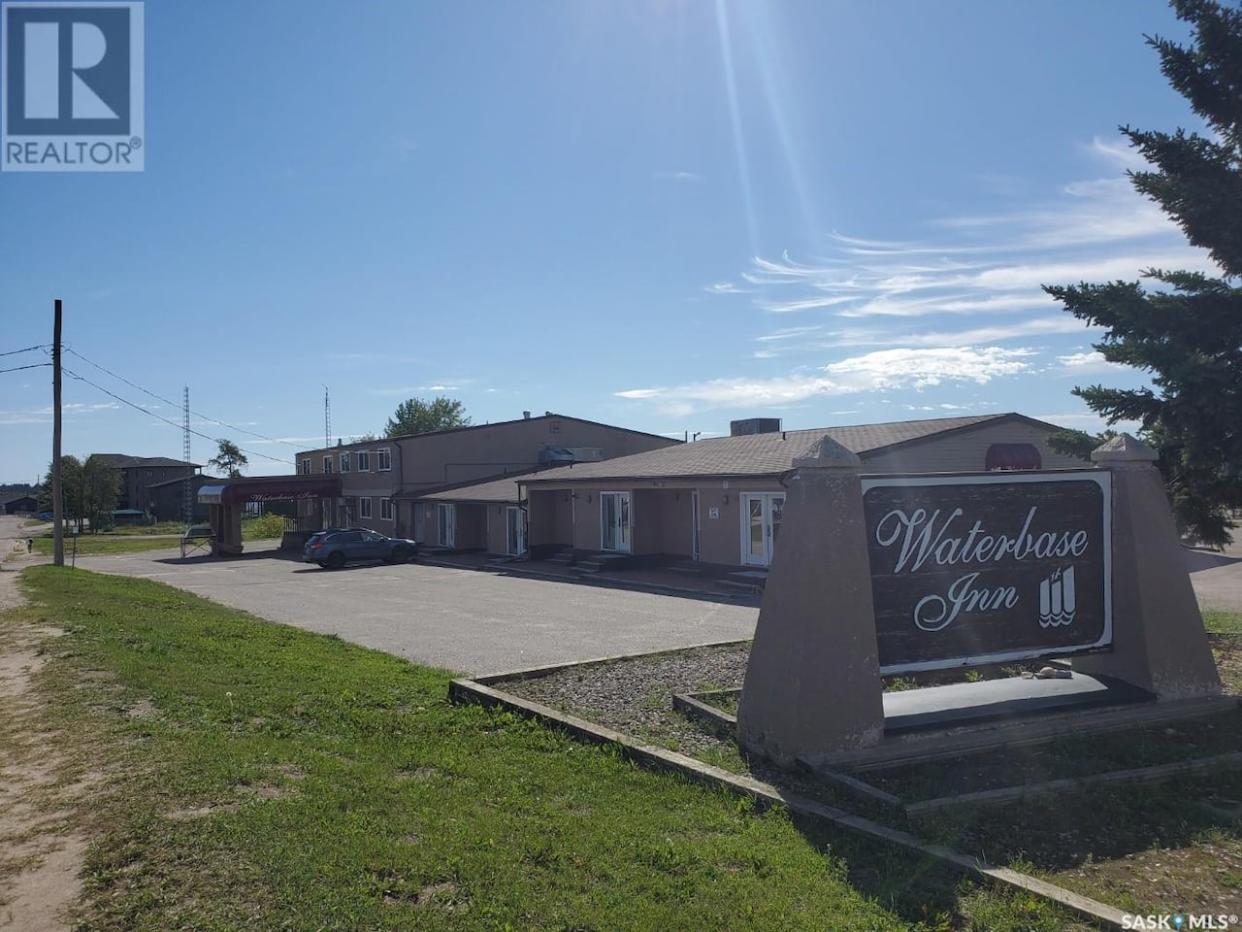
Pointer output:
754, 425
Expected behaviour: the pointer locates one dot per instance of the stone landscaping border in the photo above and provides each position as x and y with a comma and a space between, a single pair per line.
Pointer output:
481, 691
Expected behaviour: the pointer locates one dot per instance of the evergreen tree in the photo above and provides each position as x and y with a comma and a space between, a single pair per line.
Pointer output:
229, 458
416, 416
1185, 328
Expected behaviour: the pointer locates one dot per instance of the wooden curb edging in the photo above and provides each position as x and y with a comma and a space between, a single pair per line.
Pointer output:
471, 691
1006, 794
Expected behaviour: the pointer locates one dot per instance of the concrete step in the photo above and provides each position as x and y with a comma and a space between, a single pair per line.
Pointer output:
563, 558
686, 569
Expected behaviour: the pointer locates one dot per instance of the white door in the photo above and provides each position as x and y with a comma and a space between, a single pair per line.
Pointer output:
515, 530
761, 525
615, 521
446, 519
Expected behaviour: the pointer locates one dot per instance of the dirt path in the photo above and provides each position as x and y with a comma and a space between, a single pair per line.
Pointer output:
41, 855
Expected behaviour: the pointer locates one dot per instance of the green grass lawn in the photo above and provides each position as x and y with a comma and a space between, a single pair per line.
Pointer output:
93, 544
258, 776
1220, 622
160, 527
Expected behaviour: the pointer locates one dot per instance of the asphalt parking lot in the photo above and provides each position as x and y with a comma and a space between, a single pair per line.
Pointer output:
465, 620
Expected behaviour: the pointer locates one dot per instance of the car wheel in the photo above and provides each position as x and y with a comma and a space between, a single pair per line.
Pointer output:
401, 555
335, 561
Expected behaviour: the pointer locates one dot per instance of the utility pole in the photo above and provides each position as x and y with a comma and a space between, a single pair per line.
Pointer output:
187, 490
327, 419
58, 501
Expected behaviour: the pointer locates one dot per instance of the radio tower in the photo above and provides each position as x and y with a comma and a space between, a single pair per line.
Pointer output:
327, 419
187, 484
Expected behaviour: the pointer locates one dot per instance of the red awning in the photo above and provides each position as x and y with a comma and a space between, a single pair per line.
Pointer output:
269, 489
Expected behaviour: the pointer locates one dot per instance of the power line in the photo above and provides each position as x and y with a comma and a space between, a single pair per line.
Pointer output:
158, 417
37, 365
26, 350
176, 404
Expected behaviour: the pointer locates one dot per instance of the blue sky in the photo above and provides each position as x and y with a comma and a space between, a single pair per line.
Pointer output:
656, 214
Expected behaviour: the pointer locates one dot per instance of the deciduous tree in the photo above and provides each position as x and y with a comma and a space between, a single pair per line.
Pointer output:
416, 416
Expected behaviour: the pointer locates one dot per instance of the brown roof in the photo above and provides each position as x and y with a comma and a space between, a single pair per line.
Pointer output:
502, 491
764, 454
126, 461
549, 416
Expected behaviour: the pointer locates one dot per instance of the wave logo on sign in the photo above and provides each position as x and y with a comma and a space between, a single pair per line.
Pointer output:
1056, 599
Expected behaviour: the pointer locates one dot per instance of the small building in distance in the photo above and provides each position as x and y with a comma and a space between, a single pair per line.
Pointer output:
138, 474
22, 505
164, 499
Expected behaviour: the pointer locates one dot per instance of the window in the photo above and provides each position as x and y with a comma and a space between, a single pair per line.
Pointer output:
364, 461
344, 462
386, 509
364, 507
327, 464
305, 470
383, 461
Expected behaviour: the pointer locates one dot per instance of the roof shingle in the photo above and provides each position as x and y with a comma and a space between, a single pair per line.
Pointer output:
757, 454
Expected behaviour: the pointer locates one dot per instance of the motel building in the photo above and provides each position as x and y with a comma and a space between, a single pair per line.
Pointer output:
382, 481
712, 507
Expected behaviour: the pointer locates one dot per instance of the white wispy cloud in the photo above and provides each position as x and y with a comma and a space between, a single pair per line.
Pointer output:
725, 288
832, 337
686, 177
878, 371
1086, 363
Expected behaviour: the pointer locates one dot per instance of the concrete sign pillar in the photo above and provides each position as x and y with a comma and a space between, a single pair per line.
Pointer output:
1158, 639
813, 682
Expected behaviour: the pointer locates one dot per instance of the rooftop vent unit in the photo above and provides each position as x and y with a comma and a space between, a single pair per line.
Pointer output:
754, 425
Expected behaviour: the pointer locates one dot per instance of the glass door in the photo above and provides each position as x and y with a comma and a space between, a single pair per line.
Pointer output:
762, 513
515, 530
446, 519
615, 521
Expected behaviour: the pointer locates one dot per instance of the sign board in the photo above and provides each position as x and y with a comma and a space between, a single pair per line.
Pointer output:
982, 568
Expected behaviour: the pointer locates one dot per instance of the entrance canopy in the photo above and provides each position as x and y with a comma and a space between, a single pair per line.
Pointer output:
269, 489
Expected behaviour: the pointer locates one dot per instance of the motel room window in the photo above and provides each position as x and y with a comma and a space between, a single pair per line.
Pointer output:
364, 461
305, 470
383, 461
344, 462
364, 507
386, 509
327, 464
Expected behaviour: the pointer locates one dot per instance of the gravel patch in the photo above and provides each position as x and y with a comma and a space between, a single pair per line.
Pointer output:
636, 696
